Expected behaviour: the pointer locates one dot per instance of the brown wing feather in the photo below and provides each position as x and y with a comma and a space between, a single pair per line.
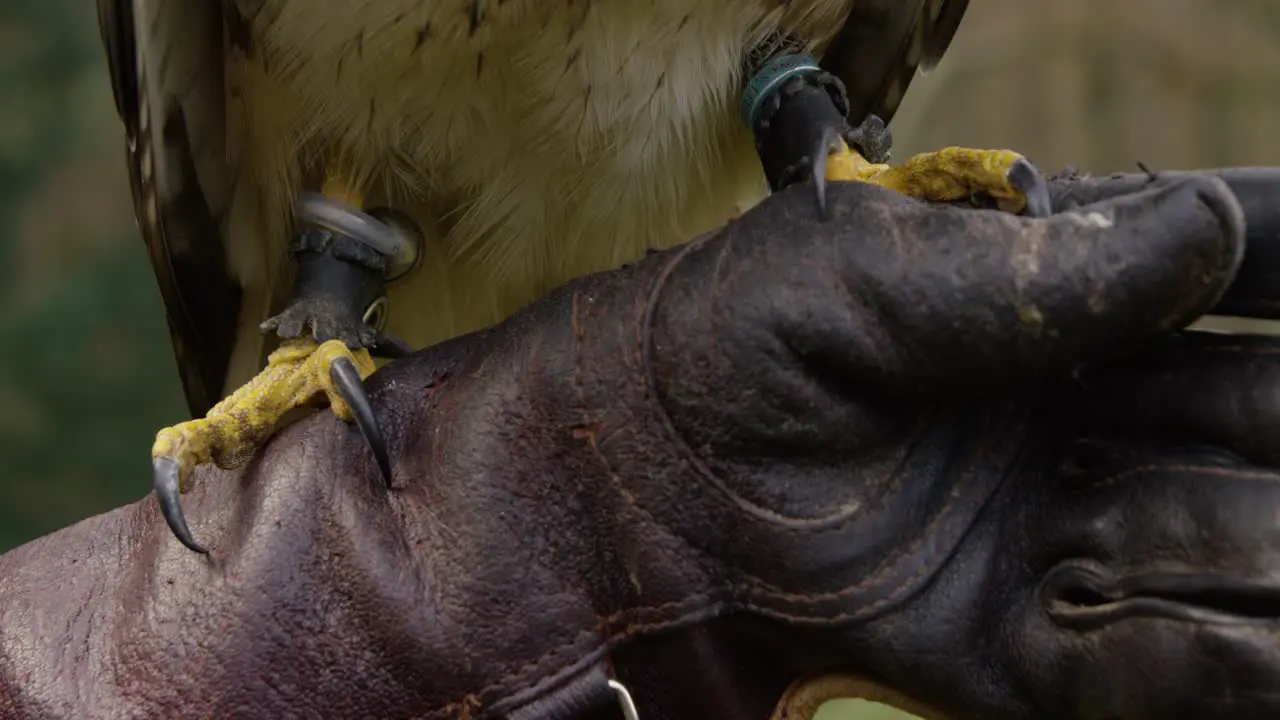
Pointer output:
162, 81
883, 43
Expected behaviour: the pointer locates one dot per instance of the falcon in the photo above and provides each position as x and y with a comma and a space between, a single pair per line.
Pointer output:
323, 183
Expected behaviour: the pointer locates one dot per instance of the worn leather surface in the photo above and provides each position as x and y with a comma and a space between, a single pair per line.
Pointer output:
886, 443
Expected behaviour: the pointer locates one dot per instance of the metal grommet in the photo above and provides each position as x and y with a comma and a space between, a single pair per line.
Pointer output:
375, 315
624, 700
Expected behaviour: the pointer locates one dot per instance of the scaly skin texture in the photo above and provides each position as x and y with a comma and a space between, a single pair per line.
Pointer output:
338, 280
950, 174
297, 374
786, 449
802, 132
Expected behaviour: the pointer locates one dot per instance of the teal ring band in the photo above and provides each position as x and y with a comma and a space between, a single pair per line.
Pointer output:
768, 78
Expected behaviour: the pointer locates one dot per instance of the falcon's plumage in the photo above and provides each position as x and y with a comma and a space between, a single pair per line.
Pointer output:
530, 142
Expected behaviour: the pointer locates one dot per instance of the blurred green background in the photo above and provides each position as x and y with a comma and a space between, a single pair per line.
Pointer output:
86, 372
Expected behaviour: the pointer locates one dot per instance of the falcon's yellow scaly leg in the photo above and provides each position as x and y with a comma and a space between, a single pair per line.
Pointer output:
796, 112
326, 333
950, 174
297, 373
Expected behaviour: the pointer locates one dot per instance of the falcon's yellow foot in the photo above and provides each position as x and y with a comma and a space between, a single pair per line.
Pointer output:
797, 114
298, 374
951, 174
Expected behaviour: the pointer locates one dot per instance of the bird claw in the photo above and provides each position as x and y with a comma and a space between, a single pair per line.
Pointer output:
871, 142
349, 386
165, 480
1027, 179
826, 143
298, 373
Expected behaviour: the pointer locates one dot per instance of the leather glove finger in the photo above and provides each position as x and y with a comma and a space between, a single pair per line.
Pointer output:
1197, 388
1137, 568
1255, 292
805, 328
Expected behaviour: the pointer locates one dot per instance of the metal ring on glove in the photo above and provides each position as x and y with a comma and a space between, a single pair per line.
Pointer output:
769, 78
375, 316
625, 703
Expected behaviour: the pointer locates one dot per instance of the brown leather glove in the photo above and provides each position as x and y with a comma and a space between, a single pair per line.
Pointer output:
908, 444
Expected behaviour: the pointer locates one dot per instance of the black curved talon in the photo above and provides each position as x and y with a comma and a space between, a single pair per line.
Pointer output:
339, 281
1028, 180
821, 151
351, 388
800, 124
165, 481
